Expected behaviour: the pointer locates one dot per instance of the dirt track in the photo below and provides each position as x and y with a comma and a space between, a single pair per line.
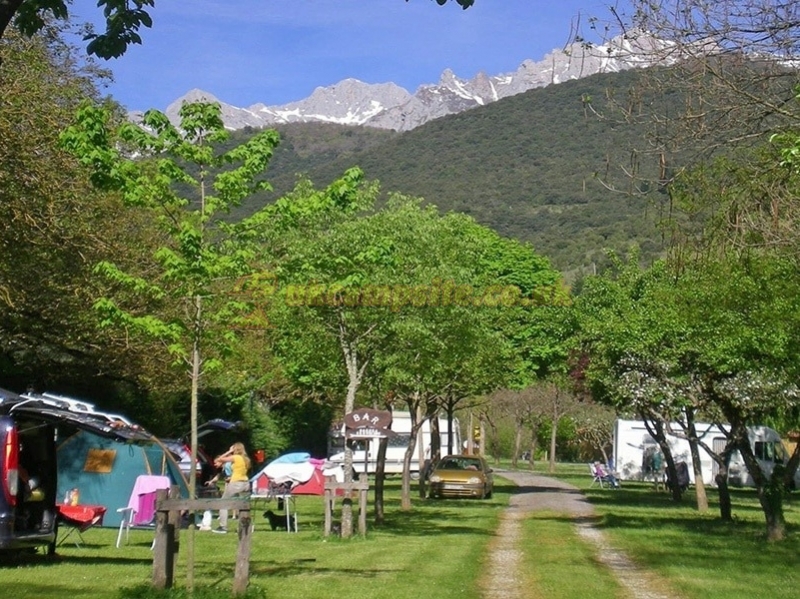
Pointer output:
536, 492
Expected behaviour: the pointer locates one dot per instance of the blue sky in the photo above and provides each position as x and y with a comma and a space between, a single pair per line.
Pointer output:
278, 51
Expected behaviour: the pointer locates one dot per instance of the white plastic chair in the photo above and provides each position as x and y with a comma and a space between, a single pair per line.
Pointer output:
139, 511
125, 523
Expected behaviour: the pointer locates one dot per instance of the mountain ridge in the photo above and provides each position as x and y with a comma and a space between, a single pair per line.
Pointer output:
389, 106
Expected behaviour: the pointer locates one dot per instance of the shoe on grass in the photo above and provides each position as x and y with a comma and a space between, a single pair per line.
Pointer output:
220, 530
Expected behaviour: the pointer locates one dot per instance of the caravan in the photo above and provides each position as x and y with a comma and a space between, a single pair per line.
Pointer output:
633, 443
365, 453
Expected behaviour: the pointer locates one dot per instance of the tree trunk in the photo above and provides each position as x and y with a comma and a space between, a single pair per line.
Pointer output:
770, 490
771, 499
470, 435
431, 457
655, 427
553, 434
699, 483
197, 368
482, 440
354, 376
725, 509
451, 449
534, 445
672, 472
405, 489
517, 443
694, 450
380, 475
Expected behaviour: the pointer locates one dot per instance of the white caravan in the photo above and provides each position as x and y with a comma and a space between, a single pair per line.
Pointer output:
632, 442
365, 454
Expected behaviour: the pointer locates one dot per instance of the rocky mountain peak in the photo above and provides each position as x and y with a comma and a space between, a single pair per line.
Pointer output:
389, 106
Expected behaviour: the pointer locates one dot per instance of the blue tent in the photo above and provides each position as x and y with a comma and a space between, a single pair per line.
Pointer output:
104, 471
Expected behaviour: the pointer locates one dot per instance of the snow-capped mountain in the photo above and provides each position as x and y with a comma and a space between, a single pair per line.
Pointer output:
389, 106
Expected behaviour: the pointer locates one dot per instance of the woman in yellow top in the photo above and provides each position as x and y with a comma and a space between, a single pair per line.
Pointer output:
239, 484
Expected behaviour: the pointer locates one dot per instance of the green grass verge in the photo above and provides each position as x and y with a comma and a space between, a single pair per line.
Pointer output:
701, 556
558, 564
439, 549
435, 549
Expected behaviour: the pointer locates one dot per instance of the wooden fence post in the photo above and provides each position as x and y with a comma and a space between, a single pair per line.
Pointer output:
347, 490
362, 504
168, 521
329, 499
242, 571
163, 562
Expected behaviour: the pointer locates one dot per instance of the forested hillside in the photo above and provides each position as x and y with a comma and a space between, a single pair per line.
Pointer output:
526, 166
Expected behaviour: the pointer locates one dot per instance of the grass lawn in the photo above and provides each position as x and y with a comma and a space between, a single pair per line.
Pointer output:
438, 549
701, 556
435, 549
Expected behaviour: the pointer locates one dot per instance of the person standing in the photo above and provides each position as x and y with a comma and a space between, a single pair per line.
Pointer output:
239, 482
659, 480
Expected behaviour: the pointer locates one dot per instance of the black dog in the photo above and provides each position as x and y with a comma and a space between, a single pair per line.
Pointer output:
277, 521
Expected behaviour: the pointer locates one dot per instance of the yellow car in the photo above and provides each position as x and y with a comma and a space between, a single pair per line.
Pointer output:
461, 476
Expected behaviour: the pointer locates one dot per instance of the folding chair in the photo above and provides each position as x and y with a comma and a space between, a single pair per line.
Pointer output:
78, 519
596, 478
141, 508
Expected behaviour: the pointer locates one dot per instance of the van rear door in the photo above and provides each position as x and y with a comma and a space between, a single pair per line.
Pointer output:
50, 411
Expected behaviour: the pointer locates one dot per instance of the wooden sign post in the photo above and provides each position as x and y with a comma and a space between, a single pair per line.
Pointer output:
334, 489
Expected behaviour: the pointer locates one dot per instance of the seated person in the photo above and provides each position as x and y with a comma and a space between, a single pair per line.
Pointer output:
605, 475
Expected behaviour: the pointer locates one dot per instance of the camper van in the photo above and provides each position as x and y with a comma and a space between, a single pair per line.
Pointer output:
768, 448
633, 444
365, 454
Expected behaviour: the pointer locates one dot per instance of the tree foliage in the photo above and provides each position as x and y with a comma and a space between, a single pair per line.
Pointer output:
715, 337
185, 299
53, 228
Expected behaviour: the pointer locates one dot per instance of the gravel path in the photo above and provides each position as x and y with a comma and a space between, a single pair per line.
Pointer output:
537, 492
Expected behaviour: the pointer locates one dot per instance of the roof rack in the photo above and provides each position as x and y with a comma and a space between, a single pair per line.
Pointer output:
74, 405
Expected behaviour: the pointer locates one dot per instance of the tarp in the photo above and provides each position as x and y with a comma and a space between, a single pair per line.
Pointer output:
104, 471
300, 477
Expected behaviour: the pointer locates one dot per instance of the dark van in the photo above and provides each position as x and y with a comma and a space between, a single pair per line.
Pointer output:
29, 427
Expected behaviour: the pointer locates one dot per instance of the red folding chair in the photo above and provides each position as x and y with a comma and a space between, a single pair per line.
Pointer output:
78, 519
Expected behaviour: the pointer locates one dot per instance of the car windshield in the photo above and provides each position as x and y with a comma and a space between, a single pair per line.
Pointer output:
460, 464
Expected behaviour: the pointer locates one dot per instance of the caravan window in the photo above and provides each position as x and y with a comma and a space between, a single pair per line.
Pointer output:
760, 450
770, 451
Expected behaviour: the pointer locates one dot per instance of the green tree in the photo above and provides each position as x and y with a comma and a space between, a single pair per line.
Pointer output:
716, 337
185, 301
409, 299
53, 229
